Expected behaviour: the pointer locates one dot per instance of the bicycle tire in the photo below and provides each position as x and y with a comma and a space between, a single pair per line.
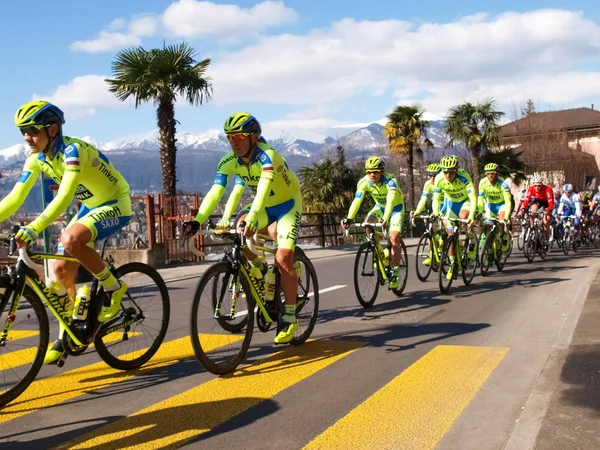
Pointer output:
104, 349
403, 272
304, 298
501, 261
225, 323
487, 255
529, 247
425, 241
566, 241
445, 264
219, 367
44, 334
469, 273
521, 238
371, 272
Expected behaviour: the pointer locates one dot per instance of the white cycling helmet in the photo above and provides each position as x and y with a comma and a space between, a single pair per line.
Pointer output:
567, 187
556, 190
537, 179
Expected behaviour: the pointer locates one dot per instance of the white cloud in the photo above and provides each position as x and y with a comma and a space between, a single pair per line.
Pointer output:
106, 41
117, 24
82, 96
144, 26
191, 18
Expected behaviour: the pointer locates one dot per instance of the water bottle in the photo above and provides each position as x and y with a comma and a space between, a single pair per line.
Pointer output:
270, 284
82, 303
386, 256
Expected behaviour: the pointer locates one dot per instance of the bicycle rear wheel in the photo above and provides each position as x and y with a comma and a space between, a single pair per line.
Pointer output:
521, 237
487, 255
470, 263
22, 355
307, 298
217, 349
142, 321
366, 275
424, 251
530, 245
403, 272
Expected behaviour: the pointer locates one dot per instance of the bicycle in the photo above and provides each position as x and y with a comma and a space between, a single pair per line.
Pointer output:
373, 267
25, 327
429, 247
465, 257
569, 242
229, 297
522, 231
535, 242
493, 244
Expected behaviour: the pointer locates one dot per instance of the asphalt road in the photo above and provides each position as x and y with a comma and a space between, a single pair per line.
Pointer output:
422, 371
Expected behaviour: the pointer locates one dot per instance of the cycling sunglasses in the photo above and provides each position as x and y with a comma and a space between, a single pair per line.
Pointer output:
32, 131
238, 136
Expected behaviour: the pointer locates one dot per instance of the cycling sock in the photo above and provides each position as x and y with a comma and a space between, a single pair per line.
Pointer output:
290, 314
108, 280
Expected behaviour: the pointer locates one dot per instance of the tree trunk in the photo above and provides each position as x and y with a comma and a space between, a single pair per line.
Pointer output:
411, 178
168, 151
475, 173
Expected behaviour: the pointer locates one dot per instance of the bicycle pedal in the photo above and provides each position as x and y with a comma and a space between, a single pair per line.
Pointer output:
61, 361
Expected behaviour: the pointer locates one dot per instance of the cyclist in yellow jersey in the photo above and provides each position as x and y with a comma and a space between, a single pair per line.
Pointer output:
82, 172
427, 197
461, 200
494, 196
389, 204
277, 199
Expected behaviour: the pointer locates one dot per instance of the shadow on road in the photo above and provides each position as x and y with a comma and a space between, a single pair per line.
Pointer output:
582, 371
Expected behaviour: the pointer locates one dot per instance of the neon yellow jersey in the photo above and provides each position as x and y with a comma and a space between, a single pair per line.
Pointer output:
495, 194
386, 194
457, 191
267, 176
426, 196
79, 168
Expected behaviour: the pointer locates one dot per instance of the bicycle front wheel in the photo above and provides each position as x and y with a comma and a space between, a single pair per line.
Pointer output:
366, 275
447, 265
141, 325
220, 351
22, 355
424, 255
403, 272
470, 262
307, 298
487, 255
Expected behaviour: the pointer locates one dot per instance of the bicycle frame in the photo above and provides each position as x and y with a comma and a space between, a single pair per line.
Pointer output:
430, 233
376, 246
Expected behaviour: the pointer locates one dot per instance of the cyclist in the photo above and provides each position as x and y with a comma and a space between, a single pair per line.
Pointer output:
277, 199
461, 200
389, 204
82, 172
570, 204
427, 198
494, 195
595, 206
539, 198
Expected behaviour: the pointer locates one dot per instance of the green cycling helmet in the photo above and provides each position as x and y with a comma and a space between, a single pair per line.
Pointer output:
242, 122
374, 164
433, 169
448, 163
491, 168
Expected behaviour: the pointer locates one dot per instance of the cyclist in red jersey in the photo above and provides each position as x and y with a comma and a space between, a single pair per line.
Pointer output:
539, 198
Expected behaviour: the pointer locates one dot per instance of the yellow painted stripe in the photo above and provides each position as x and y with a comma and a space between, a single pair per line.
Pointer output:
419, 406
13, 335
12, 360
66, 386
172, 422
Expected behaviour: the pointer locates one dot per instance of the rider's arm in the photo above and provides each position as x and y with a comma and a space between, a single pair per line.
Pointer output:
11, 203
550, 198
392, 185
427, 193
507, 200
234, 197
358, 198
481, 197
213, 197
561, 206
472, 197
577, 201
75, 159
437, 193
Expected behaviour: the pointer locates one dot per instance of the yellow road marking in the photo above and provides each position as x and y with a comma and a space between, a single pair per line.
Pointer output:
172, 422
12, 360
417, 407
68, 385
13, 335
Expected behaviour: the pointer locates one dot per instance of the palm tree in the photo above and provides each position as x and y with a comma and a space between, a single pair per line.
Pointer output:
477, 127
406, 131
161, 75
509, 163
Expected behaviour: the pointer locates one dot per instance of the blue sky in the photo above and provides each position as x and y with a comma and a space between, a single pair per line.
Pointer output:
302, 67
